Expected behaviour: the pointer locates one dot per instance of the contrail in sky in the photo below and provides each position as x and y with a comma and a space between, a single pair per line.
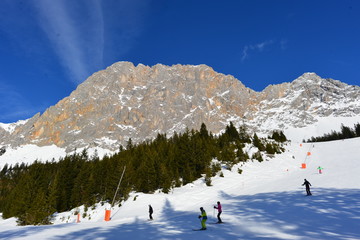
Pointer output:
76, 32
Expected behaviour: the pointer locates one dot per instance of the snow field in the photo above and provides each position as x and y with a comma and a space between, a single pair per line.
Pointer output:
266, 201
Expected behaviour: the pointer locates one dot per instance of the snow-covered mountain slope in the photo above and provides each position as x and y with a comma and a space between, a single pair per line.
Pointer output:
303, 101
321, 126
30, 152
266, 201
10, 127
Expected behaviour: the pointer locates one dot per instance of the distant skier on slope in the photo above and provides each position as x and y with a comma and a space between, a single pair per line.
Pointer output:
204, 218
219, 208
150, 212
320, 169
307, 185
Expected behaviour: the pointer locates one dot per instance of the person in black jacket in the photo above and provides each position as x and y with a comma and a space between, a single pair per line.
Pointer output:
150, 212
307, 185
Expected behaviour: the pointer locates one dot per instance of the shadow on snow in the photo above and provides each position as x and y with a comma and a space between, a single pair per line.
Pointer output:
328, 214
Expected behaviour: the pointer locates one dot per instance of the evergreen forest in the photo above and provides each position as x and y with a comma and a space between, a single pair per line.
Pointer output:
344, 133
33, 193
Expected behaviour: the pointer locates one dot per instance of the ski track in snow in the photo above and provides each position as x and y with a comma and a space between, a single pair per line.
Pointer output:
266, 201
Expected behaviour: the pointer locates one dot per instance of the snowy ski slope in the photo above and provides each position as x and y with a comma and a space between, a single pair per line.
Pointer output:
266, 201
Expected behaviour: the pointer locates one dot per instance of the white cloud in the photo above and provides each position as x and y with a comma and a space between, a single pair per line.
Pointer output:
262, 45
244, 53
259, 47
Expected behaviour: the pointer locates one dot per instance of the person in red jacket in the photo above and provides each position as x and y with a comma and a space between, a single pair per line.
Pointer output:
219, 208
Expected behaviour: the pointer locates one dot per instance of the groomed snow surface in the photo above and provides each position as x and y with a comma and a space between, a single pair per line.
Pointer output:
266, 201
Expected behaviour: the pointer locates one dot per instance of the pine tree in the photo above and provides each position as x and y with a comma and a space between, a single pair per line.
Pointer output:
208, 175
129, 144
357, 129
275, 136
346, 132
80, 191
203, 131
228, 155
232, 132
282, 137
257, 143
240, 155
243, 135
147, 171
270, 148
20, 198
53, 192
166, 181
4, 171
39, 212
258, 156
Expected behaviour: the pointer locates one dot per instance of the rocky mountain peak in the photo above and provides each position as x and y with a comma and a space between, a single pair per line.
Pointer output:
308, 77
138, 102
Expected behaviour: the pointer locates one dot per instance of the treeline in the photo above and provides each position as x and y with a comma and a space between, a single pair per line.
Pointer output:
344, 133
32, 193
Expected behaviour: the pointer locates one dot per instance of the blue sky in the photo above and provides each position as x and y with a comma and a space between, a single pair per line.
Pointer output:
48, 47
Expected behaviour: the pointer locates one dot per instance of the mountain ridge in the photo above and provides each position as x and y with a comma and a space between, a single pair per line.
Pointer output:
125, 101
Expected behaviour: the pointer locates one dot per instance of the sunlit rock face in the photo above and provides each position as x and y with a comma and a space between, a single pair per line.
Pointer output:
138, 102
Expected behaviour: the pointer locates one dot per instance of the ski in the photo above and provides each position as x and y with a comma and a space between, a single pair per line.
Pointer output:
199, 229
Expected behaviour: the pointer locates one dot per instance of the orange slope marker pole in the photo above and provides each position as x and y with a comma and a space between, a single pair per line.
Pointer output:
107, 215
108, 211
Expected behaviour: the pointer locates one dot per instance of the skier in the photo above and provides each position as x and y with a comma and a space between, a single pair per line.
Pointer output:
219, 208
320, 169
307, 185
150, 212
204, 218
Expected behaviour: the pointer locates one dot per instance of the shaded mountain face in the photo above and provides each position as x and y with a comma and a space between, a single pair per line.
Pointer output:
124, 101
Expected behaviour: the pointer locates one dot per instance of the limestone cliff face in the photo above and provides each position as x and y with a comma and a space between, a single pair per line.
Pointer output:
124, 101
300, 102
